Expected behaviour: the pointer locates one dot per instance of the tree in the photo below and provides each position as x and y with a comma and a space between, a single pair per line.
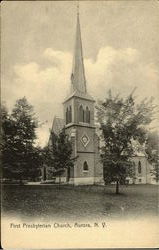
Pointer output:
47, 161
152, 150
121, 122
59, 155
7, 134
18, 151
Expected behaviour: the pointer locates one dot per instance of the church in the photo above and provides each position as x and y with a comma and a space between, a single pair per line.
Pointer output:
79, 124
78, 109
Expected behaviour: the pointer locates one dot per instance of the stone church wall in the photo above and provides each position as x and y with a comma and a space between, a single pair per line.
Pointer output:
89, 132
140, 178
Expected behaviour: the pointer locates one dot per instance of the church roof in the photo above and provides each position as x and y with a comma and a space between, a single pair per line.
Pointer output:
139, 150
139, 154
81, 95
58, 125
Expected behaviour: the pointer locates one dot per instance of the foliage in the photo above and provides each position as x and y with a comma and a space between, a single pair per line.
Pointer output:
8, 131
121, 122
47, 161
20, 158
58, 154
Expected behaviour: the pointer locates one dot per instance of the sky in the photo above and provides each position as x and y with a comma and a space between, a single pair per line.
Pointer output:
120, 48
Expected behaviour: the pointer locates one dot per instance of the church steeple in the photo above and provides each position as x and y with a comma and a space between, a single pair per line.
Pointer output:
79, 124
78, 81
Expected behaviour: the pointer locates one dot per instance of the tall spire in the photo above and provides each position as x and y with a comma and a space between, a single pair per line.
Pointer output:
78, 74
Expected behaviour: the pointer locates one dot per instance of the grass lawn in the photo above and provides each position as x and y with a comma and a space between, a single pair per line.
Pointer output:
48, 202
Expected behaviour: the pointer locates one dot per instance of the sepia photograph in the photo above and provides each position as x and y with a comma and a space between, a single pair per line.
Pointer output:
79, 124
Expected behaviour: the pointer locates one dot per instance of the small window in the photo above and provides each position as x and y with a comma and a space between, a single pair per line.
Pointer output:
81, 113
84, 116
139, 167
70, 114
87, 115
140, 180
67, 116
85, 166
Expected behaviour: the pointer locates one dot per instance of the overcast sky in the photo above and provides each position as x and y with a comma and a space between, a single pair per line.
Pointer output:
120, 46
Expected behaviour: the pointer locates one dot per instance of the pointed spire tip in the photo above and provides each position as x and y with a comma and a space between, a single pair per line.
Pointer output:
78, 8
78, 73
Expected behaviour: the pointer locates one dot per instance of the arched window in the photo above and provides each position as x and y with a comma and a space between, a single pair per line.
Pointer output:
87, 115
67, 116
70, 114
85, 166
139, 167
84, 116
81, 113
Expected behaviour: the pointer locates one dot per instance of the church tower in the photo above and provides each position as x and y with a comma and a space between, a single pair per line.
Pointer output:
79, 123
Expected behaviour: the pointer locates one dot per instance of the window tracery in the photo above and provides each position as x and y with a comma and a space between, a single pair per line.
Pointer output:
139, 167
